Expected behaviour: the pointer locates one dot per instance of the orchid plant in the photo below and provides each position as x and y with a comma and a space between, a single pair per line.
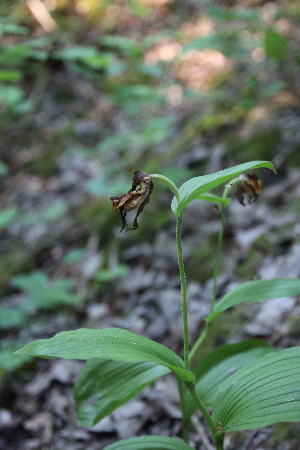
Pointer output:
240, 386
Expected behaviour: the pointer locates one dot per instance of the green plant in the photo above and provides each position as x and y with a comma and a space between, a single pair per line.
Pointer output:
248, 385
43, 293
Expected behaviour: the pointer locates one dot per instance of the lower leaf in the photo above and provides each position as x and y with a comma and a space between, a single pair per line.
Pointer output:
222, 364
262, 393
111, 343
149, 443
105, 385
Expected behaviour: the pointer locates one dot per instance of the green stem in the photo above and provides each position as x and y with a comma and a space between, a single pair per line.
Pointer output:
219, 441
230, 185
185, 417
183, 293
218, 438
175, 191
168, 183
191, 387
194, 394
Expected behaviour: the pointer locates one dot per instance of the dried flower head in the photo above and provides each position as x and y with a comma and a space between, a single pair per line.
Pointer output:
136, 197
249, 186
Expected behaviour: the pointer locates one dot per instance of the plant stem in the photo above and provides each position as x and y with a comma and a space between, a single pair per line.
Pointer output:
175, 191
168, 183
191, 387
219, 439
183, 293
230, 185
194, 394
181, 387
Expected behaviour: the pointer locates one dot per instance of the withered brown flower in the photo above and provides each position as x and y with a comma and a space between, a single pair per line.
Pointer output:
136, 197
249, 186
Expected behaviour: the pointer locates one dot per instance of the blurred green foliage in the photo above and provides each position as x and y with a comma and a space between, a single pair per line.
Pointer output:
43, 293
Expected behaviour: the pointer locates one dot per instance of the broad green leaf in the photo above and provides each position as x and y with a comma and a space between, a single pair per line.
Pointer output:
222, 364
193, 188
105, 385
263, 392
111, 343
149, 443
257, 291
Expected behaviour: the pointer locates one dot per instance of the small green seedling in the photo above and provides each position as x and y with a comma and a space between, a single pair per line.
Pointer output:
248, 385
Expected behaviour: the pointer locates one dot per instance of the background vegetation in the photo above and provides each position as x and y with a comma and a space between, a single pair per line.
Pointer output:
91, 91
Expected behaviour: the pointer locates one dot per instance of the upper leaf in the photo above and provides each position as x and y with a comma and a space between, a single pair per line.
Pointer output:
257, 291
111, 343
193, 188
263, 392
104, 385
149, 443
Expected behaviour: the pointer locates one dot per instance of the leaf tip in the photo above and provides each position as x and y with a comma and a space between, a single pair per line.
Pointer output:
269, 165
19, 352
